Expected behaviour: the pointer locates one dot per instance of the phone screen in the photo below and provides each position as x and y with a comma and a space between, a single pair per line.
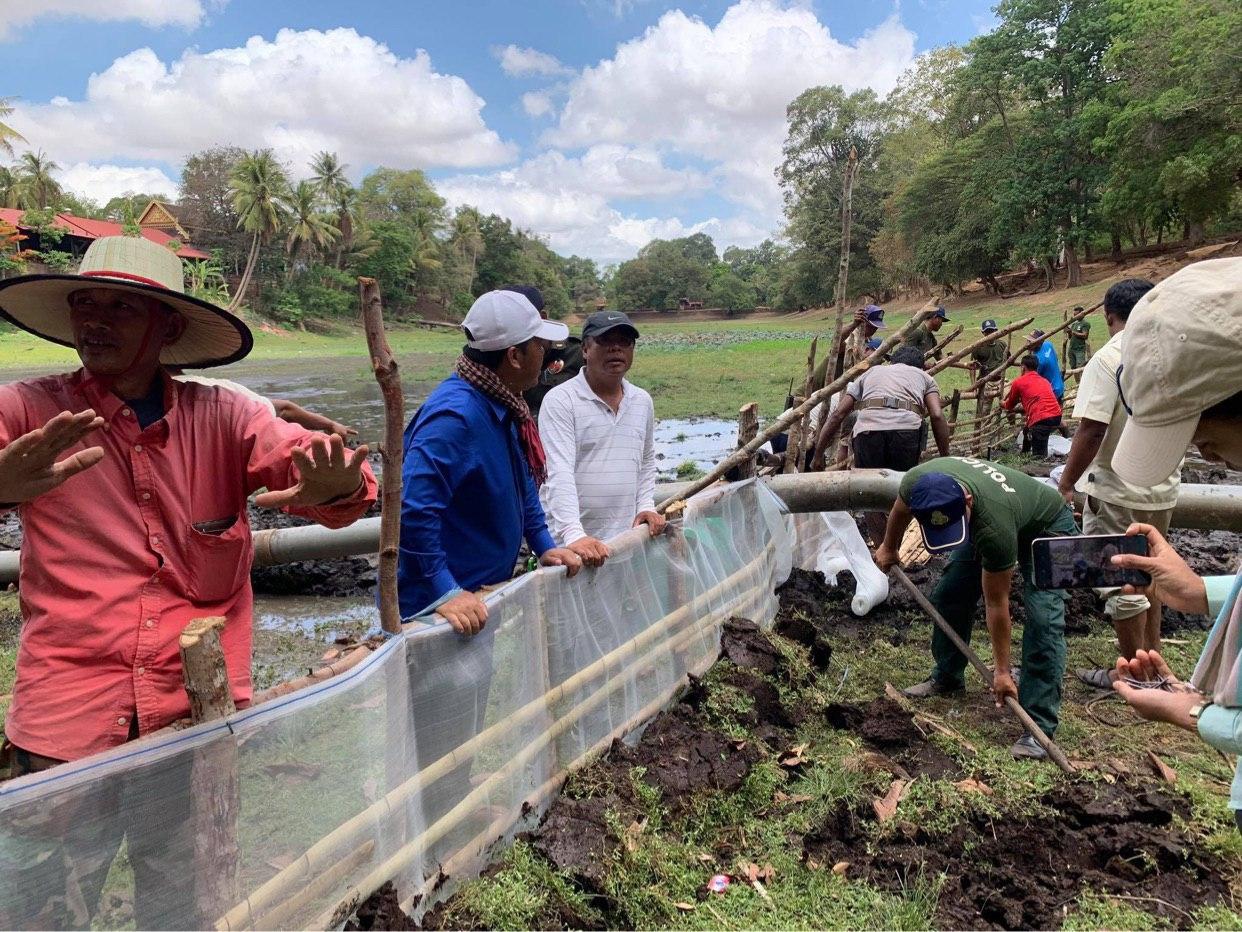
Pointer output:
1086, 562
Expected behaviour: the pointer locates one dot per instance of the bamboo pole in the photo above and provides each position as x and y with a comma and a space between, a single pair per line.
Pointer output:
747, 427
982, 341
1054, 751
402, 858
280, 916
336, 668
387, 374
320, 854
804, 425
1028, 344
782, 423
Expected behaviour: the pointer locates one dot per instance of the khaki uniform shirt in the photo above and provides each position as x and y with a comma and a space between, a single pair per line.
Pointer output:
922, 338
990, 356
1098, 400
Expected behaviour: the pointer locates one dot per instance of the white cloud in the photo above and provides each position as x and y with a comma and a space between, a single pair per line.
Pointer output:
720, 93
154, 13
519, 62
536, 103
298, 94
103, 182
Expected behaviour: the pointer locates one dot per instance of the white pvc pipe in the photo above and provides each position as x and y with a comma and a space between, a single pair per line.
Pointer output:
1202, 507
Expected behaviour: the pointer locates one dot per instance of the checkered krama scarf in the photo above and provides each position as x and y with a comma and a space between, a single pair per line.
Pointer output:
486, 381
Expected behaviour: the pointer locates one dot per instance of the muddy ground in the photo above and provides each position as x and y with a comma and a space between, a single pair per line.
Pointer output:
1016, 871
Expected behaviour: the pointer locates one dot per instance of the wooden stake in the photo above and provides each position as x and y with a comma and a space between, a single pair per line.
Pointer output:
747, 427
804, 433
202, 666
954, 404
939, 347
214, 790
384, 364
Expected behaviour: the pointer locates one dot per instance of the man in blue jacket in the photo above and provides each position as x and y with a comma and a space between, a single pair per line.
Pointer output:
473, 467
1049, 363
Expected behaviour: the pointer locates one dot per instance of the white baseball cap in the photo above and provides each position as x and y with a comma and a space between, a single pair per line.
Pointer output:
1183, 354
500, 319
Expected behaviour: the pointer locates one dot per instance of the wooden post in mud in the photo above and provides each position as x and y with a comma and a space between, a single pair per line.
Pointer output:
384, 365
214, 790
806, 430
747, 427
794, 443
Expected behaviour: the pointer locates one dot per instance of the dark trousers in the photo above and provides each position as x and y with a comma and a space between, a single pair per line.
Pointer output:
887, 449
1037, 435
56, 862
957, 596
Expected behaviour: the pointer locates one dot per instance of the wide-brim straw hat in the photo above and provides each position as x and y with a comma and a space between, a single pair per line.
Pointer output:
39, 304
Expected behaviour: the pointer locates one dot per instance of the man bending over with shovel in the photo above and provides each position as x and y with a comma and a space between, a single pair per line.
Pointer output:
987, 515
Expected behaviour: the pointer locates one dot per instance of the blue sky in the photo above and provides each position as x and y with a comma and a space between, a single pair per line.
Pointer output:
595, 123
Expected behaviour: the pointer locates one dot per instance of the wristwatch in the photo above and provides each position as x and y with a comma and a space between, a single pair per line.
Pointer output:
1197, 709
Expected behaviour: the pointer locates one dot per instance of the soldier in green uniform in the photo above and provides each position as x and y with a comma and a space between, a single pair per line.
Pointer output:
1079, 348
924, 336
985, 359
988, 515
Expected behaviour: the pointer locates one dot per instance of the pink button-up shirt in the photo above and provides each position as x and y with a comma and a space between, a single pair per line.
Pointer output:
113, 565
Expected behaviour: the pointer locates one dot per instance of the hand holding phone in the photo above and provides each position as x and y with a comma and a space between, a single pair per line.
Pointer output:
1086, 562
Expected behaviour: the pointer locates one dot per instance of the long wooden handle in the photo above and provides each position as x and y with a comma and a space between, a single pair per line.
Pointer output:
1054, 751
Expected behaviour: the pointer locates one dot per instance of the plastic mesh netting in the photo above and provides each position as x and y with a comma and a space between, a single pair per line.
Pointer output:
416, 762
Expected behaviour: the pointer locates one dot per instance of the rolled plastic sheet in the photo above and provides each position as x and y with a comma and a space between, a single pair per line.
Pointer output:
414, 765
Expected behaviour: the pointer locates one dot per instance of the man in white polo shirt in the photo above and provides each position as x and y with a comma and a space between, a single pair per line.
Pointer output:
1113, 504
598, 433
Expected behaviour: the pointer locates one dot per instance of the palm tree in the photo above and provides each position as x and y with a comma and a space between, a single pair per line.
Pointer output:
259, 190
307, 226
8, 135
10, 188
468, 238
38, 187
328, 175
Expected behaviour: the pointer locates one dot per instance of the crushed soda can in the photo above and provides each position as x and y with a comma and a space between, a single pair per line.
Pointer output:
718, 884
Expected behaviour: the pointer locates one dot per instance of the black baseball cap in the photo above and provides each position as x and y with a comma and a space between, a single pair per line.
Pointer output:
530, 292
602, 321
941, 313
988, 325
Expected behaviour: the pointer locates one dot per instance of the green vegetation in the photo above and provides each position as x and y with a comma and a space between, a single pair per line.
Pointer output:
657, 880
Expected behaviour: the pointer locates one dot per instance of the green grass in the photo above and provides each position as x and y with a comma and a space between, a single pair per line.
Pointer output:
674, 857
691, 368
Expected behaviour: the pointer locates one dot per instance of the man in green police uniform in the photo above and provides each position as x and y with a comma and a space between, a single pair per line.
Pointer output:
985, 359
1079, 348
988, 515
924, 336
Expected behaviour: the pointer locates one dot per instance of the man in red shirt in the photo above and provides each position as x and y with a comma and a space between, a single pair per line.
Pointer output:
132, 492
1039, 406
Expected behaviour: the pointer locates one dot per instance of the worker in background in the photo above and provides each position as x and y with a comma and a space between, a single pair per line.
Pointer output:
1049, 366
1040, 407
599, 433
561, 362
872, 320
1079, 349
923, 337
1112, 504
985, 359
986, 516
132, 491
892, 402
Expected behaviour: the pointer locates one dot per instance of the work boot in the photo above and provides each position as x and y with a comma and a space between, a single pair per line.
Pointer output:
1027, 747
1098, 678
931, 687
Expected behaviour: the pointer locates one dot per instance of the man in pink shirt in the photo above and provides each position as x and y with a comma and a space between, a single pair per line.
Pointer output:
132, 491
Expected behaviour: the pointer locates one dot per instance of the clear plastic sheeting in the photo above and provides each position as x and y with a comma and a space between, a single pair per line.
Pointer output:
830, 542
412, 765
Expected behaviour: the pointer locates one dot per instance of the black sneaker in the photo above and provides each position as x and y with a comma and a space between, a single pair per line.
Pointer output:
1028, 748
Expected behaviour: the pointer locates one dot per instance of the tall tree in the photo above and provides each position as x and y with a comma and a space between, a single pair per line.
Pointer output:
328, 176
39, 189
306, 226
467, 240
8, 135
260, 195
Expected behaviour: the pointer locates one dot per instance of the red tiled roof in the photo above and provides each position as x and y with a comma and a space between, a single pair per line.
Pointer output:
85, 228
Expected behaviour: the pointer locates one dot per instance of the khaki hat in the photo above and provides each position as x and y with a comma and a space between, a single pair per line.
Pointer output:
39, 304
1183, 354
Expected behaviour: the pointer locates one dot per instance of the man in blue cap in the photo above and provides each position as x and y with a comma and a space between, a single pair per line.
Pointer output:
987, 515
872, 319
924, 335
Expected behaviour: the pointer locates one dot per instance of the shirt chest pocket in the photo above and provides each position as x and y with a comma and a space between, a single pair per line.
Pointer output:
218, 555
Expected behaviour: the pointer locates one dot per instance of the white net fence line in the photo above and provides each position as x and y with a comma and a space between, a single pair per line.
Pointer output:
417, 761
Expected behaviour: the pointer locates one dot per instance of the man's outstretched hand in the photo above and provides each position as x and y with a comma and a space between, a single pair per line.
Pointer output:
327, 472
28, 466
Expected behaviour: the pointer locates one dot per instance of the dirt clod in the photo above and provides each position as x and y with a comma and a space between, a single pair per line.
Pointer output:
381, 910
